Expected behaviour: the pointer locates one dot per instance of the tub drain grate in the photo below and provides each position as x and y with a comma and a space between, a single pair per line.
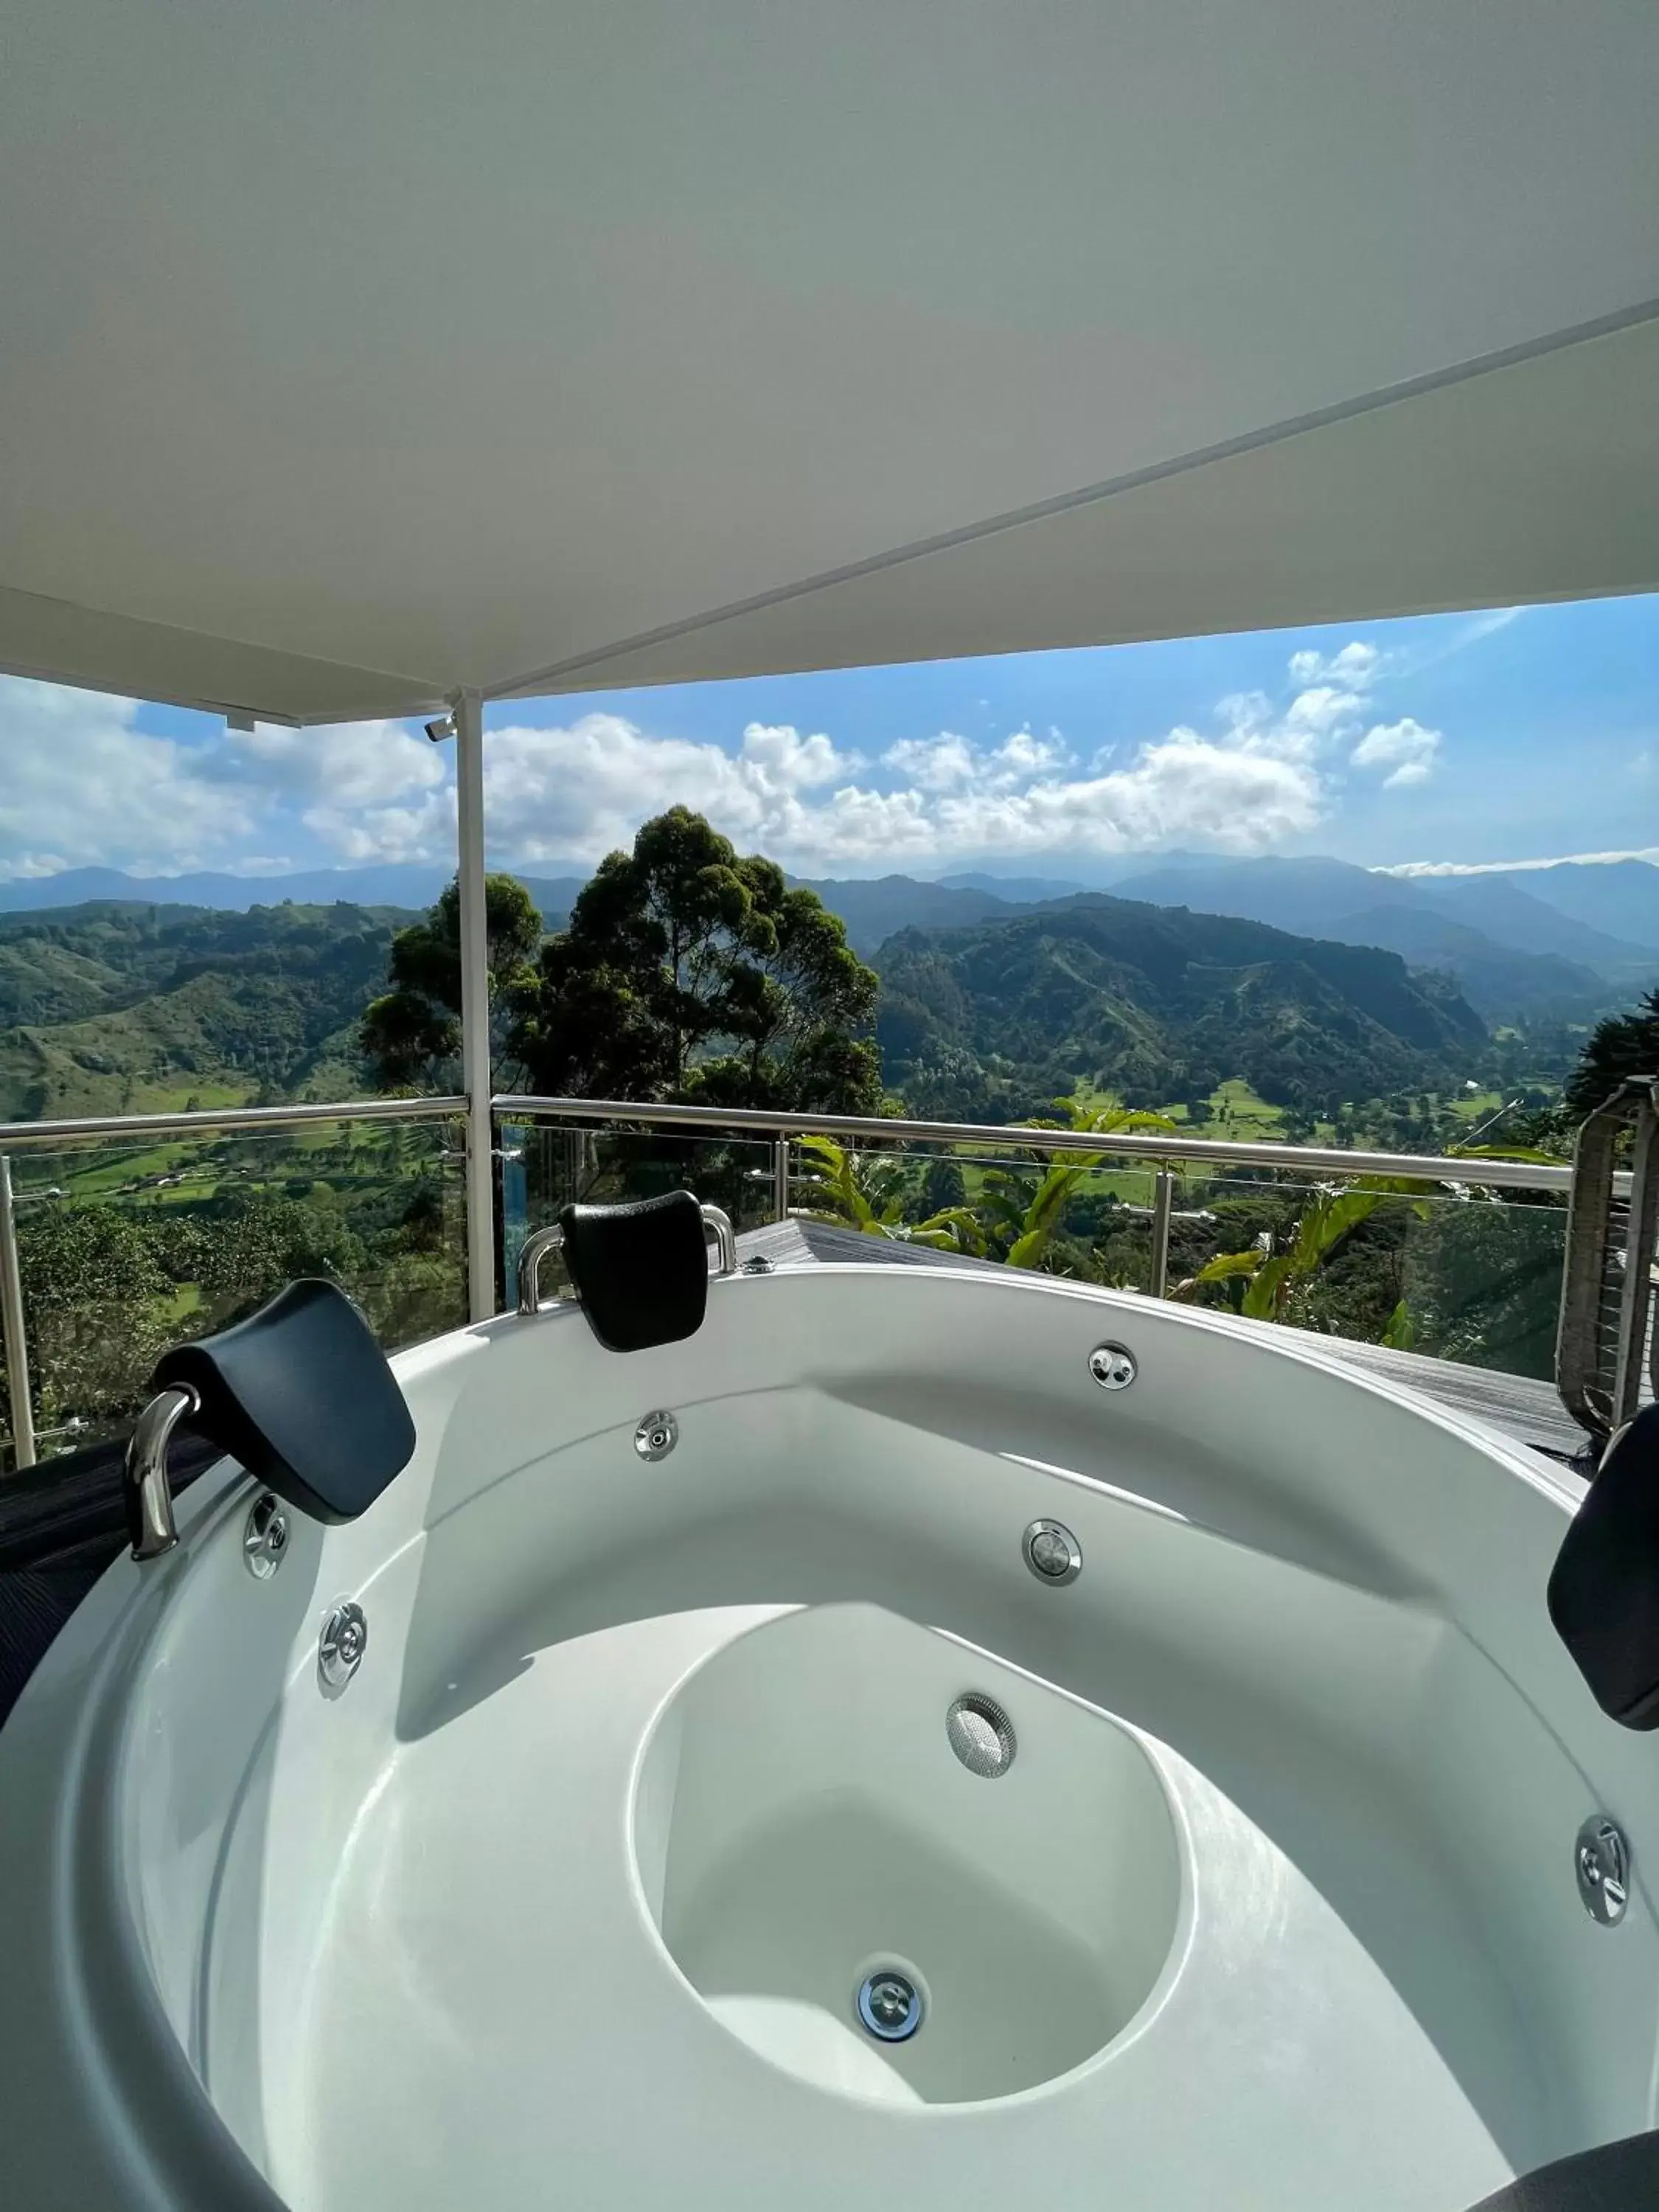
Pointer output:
980, 1734
889, 2005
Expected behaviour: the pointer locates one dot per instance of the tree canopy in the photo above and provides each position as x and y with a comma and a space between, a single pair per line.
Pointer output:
412, 1034
1623, 1046
689, 972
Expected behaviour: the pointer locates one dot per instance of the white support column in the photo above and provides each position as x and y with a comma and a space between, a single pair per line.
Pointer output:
477, 1075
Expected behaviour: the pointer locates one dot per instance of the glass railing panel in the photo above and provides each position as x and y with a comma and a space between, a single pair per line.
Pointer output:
126, 1248
1452, 1272
1483, 1282
1089, 1224
546, 1165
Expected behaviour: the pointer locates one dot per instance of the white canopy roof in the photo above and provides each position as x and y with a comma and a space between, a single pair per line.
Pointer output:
357, 352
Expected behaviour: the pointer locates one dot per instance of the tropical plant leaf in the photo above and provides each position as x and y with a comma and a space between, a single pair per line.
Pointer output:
1271, 1281
956, 1227
1400, 1331
1326, 1222
1029, 1250
1226, 1264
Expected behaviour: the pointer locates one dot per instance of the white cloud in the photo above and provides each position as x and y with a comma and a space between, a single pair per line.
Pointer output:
1649, 853
374, 791
932, 764
778, 759
1355, 668
82, 787
341, 766
1183, 786
1020, 757
568, 795
87, 785
1405, 747
571, 793
1327, 710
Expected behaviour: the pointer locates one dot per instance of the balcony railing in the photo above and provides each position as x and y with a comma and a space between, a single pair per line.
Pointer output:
1469, 1256
118, 1235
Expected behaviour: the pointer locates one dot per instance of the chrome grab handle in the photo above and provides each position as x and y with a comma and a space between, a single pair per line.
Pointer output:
717, 1223
144, 1475
535, 1249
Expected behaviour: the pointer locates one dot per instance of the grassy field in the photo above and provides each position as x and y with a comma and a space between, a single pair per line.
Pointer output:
1236, 1112
1473, 1105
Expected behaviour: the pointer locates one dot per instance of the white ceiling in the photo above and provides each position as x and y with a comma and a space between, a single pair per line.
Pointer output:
354, 351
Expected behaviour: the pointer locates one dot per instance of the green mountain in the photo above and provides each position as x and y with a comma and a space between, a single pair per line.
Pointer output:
122, 1008
125, 1007
991, 1022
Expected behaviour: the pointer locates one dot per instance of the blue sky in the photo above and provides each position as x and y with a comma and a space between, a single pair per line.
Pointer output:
1473, 738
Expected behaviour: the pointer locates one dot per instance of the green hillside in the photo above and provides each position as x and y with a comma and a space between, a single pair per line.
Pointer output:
115, 1008
1155, 1004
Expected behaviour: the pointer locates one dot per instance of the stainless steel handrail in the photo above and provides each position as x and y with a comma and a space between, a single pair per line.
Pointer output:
111, 1128
1316, 1159
1325, 1159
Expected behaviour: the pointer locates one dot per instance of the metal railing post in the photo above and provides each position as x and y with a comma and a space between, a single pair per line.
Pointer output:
475, 1007
12, 1326
780, 1177
1163, 1200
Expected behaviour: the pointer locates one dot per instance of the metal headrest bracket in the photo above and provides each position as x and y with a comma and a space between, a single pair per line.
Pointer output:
717, 1224
144, 1478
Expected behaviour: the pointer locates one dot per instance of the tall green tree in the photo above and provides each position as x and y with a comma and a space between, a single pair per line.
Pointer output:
690, 972
1623, 1046
411, 1035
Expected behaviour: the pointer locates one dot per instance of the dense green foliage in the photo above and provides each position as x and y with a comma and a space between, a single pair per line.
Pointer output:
411, 1035
989, 1022
689, 972
1623, 1046
110, 1009
118, 1262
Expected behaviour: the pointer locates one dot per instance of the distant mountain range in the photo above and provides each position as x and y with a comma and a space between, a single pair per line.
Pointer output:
1522, 909
402, 883
1019, 890
1515, 952
1619, 899
1562, 942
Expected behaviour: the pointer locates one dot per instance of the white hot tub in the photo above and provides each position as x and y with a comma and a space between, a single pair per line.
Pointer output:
1234, 1869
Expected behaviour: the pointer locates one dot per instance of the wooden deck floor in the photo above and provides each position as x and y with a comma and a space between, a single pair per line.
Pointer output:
1528, 1410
